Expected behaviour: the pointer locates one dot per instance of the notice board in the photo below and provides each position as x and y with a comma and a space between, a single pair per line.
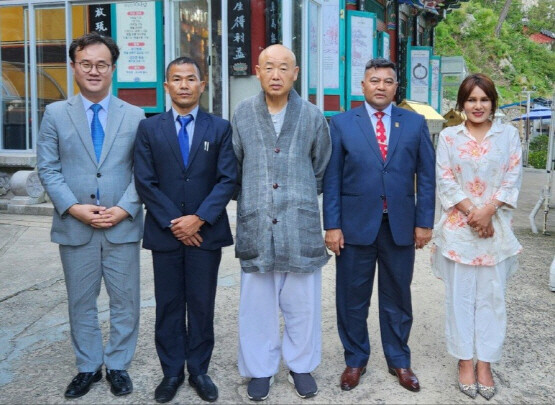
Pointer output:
362, 46
138, 30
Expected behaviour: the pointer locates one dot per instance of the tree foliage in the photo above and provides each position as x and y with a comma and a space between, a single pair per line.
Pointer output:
512, 60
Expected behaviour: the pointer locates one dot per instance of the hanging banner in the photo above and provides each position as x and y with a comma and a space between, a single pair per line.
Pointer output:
330, 43
239, 40
100, 19
136, 37
360, 48
418, 72
313, 47
272, 22
362, 45
435, 68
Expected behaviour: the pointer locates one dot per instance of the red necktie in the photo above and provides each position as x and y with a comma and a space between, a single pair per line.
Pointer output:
380, 136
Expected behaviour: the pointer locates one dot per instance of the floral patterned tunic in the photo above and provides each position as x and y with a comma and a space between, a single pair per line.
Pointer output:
481, 172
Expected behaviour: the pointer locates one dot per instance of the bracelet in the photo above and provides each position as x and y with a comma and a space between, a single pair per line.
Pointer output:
493, 204
469, 210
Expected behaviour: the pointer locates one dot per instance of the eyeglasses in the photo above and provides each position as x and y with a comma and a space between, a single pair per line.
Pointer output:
88, 66
387, 82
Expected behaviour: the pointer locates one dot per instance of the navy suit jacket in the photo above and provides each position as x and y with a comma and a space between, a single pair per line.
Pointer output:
357, 178
169, 190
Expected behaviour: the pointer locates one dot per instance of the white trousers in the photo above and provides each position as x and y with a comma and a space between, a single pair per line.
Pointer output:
475, 312
263, 295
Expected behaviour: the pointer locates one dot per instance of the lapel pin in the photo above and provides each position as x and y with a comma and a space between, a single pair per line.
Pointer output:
396, 125
206, 146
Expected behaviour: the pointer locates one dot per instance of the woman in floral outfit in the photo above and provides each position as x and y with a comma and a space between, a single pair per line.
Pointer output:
478, 173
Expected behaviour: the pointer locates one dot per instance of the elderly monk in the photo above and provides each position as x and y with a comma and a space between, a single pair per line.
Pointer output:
282, 144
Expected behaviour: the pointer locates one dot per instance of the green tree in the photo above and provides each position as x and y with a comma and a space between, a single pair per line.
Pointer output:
502, 17
511, 59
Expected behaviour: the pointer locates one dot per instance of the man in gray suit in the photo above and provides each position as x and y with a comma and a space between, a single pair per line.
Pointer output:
85, 163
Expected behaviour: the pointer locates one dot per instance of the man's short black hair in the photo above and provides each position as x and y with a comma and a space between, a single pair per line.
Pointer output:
378, 63
181, 61
78, 44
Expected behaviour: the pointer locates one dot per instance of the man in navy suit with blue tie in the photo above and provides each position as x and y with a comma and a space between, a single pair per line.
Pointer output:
185, 172
372, 213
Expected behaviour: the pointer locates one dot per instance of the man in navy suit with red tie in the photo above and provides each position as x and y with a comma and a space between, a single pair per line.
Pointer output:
185, 173
372, 213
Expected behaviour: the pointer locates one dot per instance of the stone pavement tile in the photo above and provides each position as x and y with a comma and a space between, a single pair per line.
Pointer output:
37, 361
27, 258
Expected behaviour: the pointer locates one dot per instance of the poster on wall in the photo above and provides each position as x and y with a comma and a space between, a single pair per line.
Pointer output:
360, 48
419, 74
136, 37
330, 43
435, 67
239, 40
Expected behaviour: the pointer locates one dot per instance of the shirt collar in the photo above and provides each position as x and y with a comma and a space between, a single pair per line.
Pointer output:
371, 110
496, 127
194, 113
103, 103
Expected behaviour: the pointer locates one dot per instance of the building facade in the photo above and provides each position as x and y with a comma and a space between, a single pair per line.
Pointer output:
332, 40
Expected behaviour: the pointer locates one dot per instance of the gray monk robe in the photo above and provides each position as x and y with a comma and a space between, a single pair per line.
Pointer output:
278, 218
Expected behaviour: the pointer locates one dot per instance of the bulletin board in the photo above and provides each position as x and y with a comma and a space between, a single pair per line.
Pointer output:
362, 45
419, 78
435, 93
139, 77
333, 56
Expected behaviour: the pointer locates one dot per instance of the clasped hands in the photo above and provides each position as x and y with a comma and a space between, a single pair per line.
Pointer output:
479, 220
97, 216
186, 229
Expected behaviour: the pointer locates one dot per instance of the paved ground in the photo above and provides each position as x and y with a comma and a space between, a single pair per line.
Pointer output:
37, 362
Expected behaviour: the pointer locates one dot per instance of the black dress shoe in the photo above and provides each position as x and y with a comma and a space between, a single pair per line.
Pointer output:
167, 389
120, 382
204, 387
81, 384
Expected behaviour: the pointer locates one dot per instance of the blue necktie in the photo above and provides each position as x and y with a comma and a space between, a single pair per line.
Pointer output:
97, 132
183, 137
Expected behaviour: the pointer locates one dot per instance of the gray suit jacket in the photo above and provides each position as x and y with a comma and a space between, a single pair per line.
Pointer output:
70, 174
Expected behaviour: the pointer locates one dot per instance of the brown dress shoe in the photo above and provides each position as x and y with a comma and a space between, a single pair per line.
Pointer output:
351, 377
406, 377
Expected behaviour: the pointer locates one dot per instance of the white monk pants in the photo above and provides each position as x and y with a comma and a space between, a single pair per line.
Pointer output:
263, 295
476, 316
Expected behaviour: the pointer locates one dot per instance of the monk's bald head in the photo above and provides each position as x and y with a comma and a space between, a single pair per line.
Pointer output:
279, 52
277, 71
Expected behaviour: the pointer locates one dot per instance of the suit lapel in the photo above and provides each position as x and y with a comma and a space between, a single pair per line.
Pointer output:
365, 125
116, 112
394, 132
77, 115
201, 126
170, 134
